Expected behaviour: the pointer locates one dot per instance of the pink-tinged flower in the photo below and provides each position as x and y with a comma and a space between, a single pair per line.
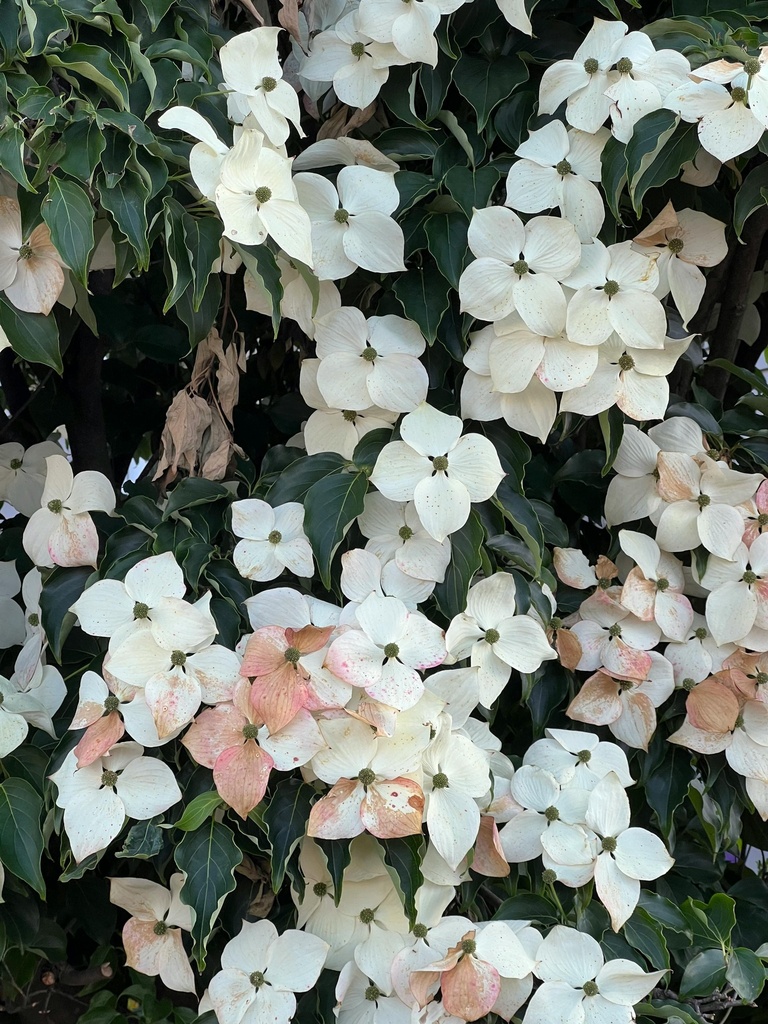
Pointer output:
152, 937
756, 515
713, 704
31, 272
614, 639
384, 656
745, 744
273, 656
489, 859
573, 568
224, 739
368, 774
62, 531
626, 706
653, 590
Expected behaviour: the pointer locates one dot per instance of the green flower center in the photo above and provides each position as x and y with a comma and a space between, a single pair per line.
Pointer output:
405, 533
275, 537
626, 362
556, 623
520, 267
564, 168
739, 722
701, 633
178, 658
614, 630
675, 245
662, 584
111, 704
108, 779
341, 216
552, 814
609, 844
358, 49
349, 415
703, 500
688, 683
468, 946
584, 756
492, 636
160, 928
752, 65
440, 781
391, 651
590, 988
263, 194
749, 577
55, 506
140, 610
16, 463
369, 354
367, 915
420, 931
25, 251
624, 66
603, 584
372, 993
367, 776
292, 654
761, 678
762, 519
440, 463
611, 288
256, 978
268, 84
33, 619
739, 94
250, 731
548, 876
591, 65
320, 889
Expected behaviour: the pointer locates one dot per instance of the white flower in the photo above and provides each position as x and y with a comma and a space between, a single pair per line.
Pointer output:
98, 798
207, 155
646, 77
615, 288
385, 654
345, 151
744, 742
298, 302
411, 30
256, 198
394, 531
35, 705
349, 58
437, 468
273, 539
251, 68
370, 362
260, 972
12, 621
364, 573
727, 126
558, 168
583, 80
31, 272
532, 410
62, 531
549, 807
654, 589
359, 1001
519, 267
739, 593
352, 227
579, 759
152, 936
496, 639
22, 474
580, 986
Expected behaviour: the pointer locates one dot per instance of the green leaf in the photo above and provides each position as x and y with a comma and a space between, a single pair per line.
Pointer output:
613, 160
144, 841
337, 856
663, 911
644, 933
21, 838
209, 857
293, 482
33, 336
176, 251
62, 588
413, 186
95, 64
285, 819
718, 916
407, 143
667, 786
12, 143
83, 144
704, 974
472, 188
156, 9
368, 448
447, 238
650, 135
512, 117
202, 236
527, 907
522, 515
424, 295
466, 544
126, 200
192, 491
197, 811
485, 84
330, 507
751, 196
612, 426
69, 214
261, 263
746, 973
680, 147
403, 858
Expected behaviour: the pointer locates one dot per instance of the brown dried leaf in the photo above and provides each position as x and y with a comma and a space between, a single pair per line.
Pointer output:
288, 16
188, 418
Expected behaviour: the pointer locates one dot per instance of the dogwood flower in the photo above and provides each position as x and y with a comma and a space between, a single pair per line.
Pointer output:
756, 514
558, 168
519, 267
727, 126
207, 155
653, 590
744, 742
580, 759
368, 774
349, 57
152, 936
261, 970
370, 362
62, 531
384, 656
684, 242
584, 79
646, 77
352, 224
738, 593
298, 302
22, 474
547, 807
363, 573
395, 532
496, 639
31, 272
360, 1001
698, 655
411, 31
614, 292
573, 568
614, 639
437, 468
580, 986
256, 198
273, 539
98, 798
20, 708
252, 70
532, 410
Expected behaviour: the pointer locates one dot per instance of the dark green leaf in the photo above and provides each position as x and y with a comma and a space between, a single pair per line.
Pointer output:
202, 236
83, 145
331, 506
261, 263
447, 238
209, 857
21, 838
663, 911
512, 117
403, 858
466, 543
612, 426
751, 196
412, 187
484, 84
12, 143
650, 135
680, 147
704, 974
402, 143
193, 491
472, 188
746, 973
527, 907
61, 590
33, 336
425, 296
69, 214
337, 856
295, 480
522, 515
368, 448
614, 163
95, 64
644, 933
145, 840
126, 200
198, 810
285, 820
176, 251
667, 786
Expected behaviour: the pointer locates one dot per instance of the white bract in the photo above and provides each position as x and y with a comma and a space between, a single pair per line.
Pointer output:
22, 474
31, 272
394, 531
273, 539
411, 30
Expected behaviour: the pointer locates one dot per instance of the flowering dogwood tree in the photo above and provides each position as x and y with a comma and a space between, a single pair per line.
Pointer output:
384, 540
